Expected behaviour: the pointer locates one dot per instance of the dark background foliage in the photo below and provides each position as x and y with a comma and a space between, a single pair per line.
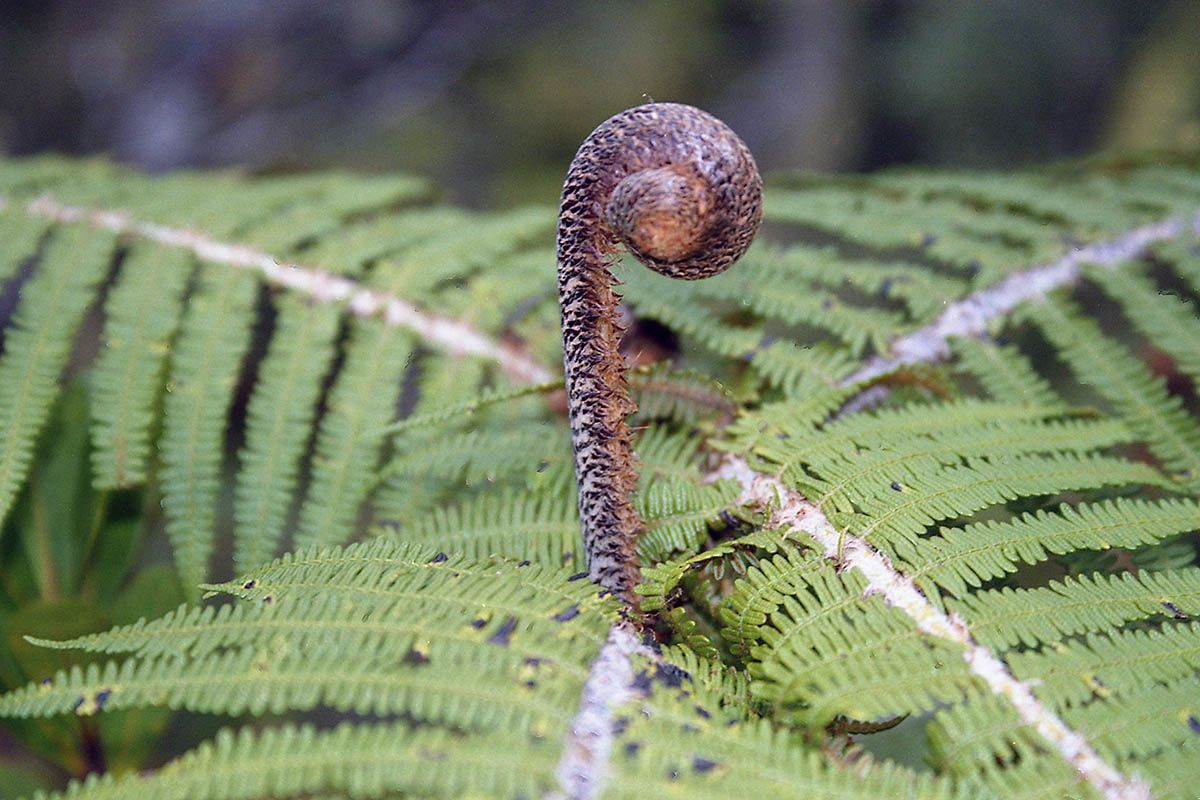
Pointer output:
491, 98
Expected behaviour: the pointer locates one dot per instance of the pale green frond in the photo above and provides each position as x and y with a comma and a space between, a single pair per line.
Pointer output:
205, 361
984, 739
365, 239
688, 396
38, 341
1044, 778
543, 528
1137, 396
363, 761
1157, 719
351, 432
667, 454
800, 370
753, 430
978, 735
21, 237
1008, 617
142, 313
422, 271
828, 650
517, 454
1174, 774
801, 578
304, 208
691, 316
1167, 319
729, 687
677, 514
798, 441
959, 491
985, 733
373, 568
463, 412
922, 290
660, 580
679, 748
461, 643
279, 417
961, 557
1109, 665
867, 478
1003, 372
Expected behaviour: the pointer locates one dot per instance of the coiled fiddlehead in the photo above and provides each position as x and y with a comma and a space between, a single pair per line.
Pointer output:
682, 193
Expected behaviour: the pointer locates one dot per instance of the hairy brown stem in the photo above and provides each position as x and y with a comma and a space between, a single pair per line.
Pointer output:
681, 192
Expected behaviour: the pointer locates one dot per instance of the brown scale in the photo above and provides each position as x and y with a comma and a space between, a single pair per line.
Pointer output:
678, 189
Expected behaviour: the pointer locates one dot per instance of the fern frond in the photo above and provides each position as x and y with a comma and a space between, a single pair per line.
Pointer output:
729, 687
789, 299
1175, 773
901, 222
975, 736
1004, 373
538, 527
142, 314
1171, 322
204, 366
800, 370
1143, 723
422, 271
371, 761
798, 441
869, 477
349, 439
753, 429
279, 418
365, 238
664, 393
984, 734
801, 578
481, 456
1008, 617
920, 289
38, 343
1140, 399
668, 454
463, 411
1111, 664
690, 316
660, 580
296, 209
472, 645
682, 744
958, 491
969, 556
677, 514
20, 237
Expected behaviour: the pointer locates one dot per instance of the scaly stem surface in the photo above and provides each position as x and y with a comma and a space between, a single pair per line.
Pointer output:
678, 189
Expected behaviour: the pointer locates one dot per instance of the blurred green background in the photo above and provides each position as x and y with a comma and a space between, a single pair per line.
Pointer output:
491, 98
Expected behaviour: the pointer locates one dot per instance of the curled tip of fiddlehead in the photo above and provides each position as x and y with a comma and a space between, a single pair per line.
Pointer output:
690, 203
682, 193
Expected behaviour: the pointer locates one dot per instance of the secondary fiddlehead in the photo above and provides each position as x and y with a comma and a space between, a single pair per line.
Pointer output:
681, 191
